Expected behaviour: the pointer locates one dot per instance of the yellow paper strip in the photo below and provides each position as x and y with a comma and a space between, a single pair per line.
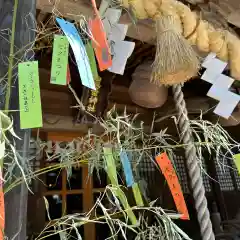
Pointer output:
137, 195
237, 161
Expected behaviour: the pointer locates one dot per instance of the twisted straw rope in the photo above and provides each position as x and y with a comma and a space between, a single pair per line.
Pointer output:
192, 165
198, 32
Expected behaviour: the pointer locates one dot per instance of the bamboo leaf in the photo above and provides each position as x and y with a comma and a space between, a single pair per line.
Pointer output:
123, 199
47, 207
2, 149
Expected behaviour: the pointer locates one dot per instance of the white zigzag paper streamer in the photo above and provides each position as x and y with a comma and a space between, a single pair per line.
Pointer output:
116, 33
220, 86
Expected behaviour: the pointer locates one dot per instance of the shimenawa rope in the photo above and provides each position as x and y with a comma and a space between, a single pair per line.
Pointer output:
202, 34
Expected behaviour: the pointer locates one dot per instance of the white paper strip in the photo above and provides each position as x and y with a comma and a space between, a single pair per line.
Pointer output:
118, 32
103, 7
225, 108
221, 84
122, 50
113, 15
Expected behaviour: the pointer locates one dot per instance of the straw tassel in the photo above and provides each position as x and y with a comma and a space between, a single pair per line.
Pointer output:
175, 60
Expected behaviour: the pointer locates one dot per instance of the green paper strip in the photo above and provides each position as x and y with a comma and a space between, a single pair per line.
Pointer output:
112, 174
237, 161
59, 60
137, 195
123, 199
92, 60
29, 95
111, 166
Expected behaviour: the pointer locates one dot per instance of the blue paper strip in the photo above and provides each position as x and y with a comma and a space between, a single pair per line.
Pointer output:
127, 168
79, 52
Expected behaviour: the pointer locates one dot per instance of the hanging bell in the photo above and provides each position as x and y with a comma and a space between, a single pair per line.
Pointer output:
143, 92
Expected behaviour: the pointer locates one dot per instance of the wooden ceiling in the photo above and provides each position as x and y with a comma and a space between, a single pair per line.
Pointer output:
57, 101
72, 9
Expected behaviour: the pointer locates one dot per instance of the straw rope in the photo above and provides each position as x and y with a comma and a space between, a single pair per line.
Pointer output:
193, 167
198, 32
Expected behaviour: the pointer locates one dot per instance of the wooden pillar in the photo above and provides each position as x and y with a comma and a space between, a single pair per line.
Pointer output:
16, 200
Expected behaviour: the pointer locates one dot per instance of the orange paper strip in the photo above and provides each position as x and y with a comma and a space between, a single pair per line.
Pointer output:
99, 41
173, 183
68, 75
100, 44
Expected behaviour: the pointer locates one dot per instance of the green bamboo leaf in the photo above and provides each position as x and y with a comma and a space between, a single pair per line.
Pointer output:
7, 124
112, 174
47, 207
123, 199
2, 149
110, 165
92, 60
236, 158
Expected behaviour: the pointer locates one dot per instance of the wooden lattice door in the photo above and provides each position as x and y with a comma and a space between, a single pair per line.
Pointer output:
68, 196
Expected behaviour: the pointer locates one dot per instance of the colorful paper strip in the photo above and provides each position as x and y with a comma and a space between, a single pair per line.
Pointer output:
68, 75
99, 41
29, 95
123, 199
129, 178
59, 60
122, 51
100, 44
173, 183
112, 174
137, 195
127, 168
92, 60
103, 7
236, 158
110, 165
79, 52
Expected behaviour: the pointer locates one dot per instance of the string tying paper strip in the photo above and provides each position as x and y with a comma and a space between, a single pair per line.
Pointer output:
173, 183
79, 52
220, 86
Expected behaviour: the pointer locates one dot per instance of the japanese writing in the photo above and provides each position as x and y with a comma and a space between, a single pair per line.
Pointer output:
173, 183
25, 98
62, 50
32, 86
94, 96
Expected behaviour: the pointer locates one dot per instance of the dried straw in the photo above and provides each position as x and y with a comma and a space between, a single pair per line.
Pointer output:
175, 60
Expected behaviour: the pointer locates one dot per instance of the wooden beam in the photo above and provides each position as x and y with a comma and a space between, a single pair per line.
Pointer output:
63, 136
74, 9
54, 123
144, 31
